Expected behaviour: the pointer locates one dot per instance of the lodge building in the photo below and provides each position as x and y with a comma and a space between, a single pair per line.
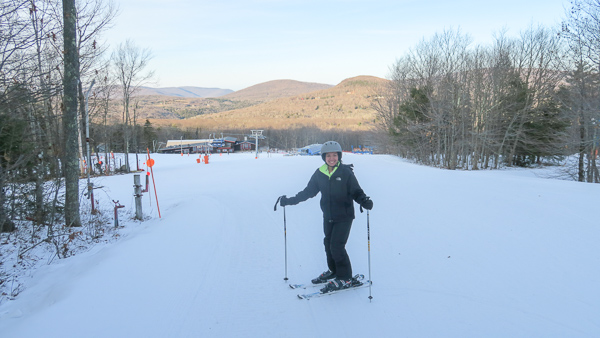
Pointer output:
221, 145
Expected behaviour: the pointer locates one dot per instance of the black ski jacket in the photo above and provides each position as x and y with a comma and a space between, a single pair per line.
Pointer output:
338, 191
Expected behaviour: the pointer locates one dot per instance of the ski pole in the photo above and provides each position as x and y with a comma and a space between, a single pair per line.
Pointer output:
285, 241
284, 236
369, 247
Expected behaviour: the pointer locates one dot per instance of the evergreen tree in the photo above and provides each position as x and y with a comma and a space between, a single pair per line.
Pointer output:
149, 135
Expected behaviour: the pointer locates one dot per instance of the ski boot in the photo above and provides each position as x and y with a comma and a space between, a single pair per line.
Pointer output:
337, 284
324, 277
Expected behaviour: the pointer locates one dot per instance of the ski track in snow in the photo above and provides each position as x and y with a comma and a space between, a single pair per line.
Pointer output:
453, 254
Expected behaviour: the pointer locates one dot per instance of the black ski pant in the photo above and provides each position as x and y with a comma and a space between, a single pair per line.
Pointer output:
336, 236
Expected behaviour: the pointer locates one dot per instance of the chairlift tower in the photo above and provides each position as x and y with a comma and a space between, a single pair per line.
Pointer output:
257, 134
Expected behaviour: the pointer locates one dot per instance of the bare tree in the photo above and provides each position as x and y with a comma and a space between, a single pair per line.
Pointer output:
93, 18
581, 31
582, 28
129, 66
102, 99
14, 39
453, 105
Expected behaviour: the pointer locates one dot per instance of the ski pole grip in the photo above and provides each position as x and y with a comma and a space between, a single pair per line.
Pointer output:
278, 199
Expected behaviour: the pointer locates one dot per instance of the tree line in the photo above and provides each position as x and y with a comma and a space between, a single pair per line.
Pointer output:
148, 136
515, 102
51, 56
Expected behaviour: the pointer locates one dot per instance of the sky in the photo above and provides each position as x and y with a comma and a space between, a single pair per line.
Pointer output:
234, 44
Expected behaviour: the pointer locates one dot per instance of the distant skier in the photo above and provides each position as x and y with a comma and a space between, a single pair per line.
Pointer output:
339, 188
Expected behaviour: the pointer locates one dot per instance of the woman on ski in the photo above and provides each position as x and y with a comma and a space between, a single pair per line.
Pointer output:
339, 189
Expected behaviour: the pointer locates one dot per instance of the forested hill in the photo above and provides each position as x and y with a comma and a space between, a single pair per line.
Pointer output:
178, 103
346, 106
275, 89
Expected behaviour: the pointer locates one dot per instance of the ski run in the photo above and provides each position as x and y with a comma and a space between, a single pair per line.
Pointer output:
488, 253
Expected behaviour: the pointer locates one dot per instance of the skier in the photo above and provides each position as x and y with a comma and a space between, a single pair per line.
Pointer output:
339, 188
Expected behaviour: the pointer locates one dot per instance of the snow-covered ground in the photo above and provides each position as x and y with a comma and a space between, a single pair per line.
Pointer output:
453, 254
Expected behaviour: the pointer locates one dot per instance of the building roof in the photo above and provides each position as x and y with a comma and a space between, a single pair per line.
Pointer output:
178, 143
313, 149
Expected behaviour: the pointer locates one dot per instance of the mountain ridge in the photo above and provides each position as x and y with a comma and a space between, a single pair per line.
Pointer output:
275, 89
184, 91
260, 92
348, 105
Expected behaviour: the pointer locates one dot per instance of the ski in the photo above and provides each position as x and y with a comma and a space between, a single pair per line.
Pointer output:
357, 284
308, 296
358, 277
306, 286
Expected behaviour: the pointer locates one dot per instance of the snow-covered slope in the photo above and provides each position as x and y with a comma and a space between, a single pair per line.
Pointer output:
453, 254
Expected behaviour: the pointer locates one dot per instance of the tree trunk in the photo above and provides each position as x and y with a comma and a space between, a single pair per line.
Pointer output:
581, 169
6, 225
71, 128
84, 166
594, 169
126, 134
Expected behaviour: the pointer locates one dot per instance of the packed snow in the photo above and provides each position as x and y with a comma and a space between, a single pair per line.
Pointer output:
490, 253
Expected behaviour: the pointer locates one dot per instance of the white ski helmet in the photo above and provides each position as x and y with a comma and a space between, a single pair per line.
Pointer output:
331, 147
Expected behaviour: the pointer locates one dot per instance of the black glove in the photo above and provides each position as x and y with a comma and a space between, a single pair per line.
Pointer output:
283, 201
366, 203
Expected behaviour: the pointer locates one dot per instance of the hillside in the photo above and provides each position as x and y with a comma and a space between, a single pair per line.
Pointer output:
177, 103
161, 107
275, 89
345, 106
